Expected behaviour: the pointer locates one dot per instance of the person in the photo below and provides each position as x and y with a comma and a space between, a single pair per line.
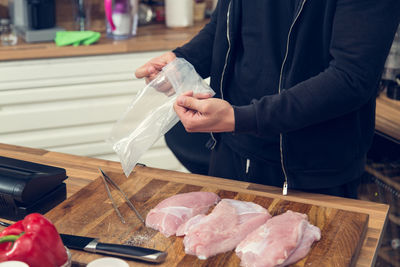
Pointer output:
189, 148
296, 82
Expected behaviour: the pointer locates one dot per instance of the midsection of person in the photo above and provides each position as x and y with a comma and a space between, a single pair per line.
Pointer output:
257, 58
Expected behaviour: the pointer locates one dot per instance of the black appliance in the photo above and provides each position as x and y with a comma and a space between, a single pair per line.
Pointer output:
41, 14
27, 187
34, 20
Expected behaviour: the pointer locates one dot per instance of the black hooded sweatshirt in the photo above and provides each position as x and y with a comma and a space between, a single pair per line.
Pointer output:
324, 107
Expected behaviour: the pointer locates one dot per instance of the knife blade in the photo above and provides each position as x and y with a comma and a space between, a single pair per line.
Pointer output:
90, 244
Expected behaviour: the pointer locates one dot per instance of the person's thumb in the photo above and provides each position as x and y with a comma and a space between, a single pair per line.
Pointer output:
188, 102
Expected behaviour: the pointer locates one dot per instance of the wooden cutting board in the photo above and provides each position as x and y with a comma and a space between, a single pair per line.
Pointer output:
89, 213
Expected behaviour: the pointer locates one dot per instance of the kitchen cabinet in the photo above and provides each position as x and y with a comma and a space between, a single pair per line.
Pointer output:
70, 104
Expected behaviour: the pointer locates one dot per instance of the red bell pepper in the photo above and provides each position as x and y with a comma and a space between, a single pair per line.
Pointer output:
33, 240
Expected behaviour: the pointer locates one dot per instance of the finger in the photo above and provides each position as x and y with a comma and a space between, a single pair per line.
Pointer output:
145, 71
153, 72
188, 93
186, 116
202, 95
151, 76
180, 111
149, 69
189, 103
142, 71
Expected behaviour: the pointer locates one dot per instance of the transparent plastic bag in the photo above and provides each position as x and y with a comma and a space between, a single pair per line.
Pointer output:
151, 113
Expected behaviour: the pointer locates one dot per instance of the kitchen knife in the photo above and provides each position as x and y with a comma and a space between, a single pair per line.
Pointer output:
91, 244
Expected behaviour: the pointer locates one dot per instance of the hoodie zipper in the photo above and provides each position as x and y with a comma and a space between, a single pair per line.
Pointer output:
225, 66
228, 51
285, 183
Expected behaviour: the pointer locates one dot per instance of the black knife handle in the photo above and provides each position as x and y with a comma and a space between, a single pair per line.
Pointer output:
145, 254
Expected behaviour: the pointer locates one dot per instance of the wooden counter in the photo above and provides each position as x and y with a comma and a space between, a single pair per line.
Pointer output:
149, 38
388, 117
82, 171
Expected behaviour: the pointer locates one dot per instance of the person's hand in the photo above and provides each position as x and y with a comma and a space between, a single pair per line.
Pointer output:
201, 113
154, 66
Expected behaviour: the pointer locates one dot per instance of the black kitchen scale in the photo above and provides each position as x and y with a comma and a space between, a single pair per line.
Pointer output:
27, 187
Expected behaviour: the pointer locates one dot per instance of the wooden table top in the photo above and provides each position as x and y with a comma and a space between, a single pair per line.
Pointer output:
153, 37
83, 170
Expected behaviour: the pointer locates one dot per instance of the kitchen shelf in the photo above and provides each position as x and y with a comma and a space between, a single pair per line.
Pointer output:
387, 254
389, 177
381, 183
394, 219
155, 37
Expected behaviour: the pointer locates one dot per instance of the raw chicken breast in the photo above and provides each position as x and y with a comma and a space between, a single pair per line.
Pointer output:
283, 240
311, 234
170, 213
183, 229
221, 230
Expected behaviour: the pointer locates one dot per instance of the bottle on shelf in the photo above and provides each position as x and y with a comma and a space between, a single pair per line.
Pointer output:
121, 18
8, 36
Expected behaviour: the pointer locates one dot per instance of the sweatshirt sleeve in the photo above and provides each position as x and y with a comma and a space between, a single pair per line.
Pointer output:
362, 34
198, 51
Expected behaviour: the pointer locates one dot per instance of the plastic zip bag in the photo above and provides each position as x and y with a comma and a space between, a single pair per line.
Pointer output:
151, 114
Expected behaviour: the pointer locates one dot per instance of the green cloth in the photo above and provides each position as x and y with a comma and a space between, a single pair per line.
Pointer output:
76, 38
